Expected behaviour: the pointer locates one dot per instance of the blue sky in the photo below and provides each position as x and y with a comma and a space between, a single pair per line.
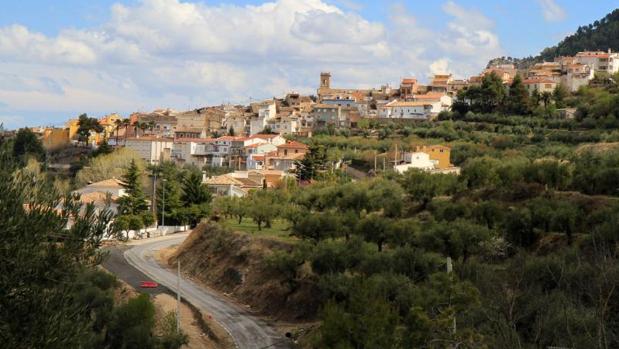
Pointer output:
72, 56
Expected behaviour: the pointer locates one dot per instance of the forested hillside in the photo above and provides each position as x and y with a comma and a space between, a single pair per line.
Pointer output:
600, 35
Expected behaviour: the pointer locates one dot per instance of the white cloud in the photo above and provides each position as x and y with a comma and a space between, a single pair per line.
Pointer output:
469, 39
552, 11
17, 41
440, 66
169, 53
469, 18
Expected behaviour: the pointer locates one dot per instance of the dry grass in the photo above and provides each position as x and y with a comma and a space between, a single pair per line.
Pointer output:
279, 230
597, 147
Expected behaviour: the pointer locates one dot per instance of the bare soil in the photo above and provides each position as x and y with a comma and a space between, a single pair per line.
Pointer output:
234, 264
198, 339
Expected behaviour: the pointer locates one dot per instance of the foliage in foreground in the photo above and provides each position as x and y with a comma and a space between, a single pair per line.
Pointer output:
51, 294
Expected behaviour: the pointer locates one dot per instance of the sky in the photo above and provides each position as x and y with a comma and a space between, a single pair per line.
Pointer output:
59, 59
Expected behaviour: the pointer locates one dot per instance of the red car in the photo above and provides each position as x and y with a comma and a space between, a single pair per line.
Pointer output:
148, 284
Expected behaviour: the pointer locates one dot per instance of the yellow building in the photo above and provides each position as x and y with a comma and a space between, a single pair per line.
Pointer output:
72, 125
55, 138
109, 129
440, 153
108, 123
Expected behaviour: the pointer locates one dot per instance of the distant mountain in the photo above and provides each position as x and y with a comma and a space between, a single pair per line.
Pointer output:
600, 35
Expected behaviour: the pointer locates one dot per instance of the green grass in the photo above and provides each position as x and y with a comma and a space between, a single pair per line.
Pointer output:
279, 229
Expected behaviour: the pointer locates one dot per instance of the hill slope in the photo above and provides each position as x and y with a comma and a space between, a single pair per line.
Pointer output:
600, 35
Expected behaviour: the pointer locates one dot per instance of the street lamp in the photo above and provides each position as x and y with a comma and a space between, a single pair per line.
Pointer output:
163, 203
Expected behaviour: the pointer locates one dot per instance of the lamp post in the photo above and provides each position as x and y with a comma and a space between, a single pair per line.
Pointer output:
163, 203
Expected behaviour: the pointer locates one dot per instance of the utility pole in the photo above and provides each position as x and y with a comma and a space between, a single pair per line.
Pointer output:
178, 298
374, 161
395, 157
449, 271
163, 204
154, 203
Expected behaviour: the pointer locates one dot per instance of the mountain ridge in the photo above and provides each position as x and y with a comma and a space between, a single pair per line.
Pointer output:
600, 35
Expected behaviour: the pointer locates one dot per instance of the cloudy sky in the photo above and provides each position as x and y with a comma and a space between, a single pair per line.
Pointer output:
61, 58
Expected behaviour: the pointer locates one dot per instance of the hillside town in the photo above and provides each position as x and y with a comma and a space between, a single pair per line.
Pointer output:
309, 174
255, 137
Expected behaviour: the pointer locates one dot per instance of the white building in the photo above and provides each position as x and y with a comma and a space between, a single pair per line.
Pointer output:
422, 161
266, 111
406, 110
540, 85
259, 148
576, 76
285, 125
417, 160
440, 101
192, 151
607, 62
268, 138
153, 150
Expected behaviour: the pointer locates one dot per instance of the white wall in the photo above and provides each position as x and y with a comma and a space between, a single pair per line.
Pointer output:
417, 160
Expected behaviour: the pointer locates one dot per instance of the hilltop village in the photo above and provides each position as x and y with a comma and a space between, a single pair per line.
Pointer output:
258, 138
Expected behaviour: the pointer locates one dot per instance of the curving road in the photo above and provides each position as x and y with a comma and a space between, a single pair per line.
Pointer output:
247, 331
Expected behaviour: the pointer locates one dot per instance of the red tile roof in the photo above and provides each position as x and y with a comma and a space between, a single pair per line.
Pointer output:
538, 81
150, 139
293, 145
195, 140
231, 138
263, 136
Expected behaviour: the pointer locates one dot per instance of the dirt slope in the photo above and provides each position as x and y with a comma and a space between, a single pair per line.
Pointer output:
235, 264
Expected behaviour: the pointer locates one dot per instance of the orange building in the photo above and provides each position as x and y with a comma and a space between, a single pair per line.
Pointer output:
55, 138
292, 147
109, 125
408, 88
440, 153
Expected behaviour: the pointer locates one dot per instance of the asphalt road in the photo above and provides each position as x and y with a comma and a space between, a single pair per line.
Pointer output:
247, 330
116, 264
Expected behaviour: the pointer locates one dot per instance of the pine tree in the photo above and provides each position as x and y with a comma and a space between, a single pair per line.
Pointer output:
134, 202
169, 198
518, 99
86, 125
315, 160
27, 144
194, 192
195, 199
559, 95
493, 93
